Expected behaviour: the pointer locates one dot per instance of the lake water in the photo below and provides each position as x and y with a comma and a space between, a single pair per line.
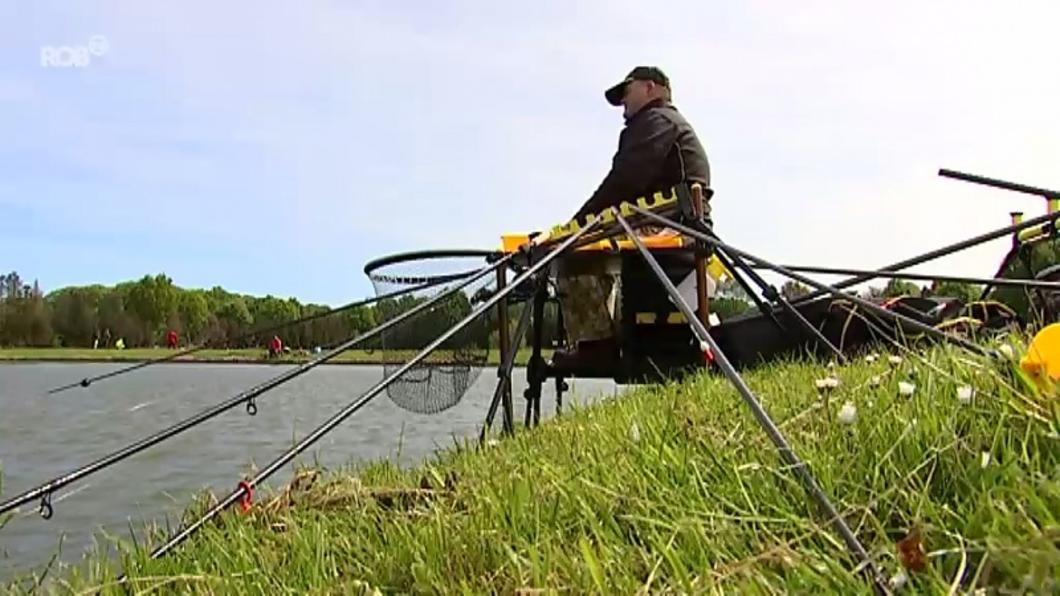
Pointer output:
42, 436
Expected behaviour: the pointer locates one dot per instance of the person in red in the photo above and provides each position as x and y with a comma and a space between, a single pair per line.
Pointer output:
275, 346
171, 338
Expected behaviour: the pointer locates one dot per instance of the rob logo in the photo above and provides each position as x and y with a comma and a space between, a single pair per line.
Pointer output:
73, 56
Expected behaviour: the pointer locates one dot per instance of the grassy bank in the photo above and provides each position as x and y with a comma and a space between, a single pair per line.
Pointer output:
674, 489
245, 355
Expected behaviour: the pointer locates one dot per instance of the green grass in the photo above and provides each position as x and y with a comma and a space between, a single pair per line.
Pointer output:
669, 489
243, 355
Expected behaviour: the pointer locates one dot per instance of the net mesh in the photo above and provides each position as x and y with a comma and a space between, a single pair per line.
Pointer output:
441, 380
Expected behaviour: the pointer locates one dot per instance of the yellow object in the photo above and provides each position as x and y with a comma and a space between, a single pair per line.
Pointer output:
717, 270
1032, 233
1042, 360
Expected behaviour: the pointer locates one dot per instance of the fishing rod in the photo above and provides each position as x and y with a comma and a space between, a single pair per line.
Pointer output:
245, 488
89, 380
1020, 283
44, 491
787, 453
1050, 218
833, 290
1002, 184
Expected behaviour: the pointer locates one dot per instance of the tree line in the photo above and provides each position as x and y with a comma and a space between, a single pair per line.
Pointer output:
143, 311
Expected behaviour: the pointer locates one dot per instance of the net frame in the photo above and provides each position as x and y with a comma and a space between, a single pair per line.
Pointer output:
440, 381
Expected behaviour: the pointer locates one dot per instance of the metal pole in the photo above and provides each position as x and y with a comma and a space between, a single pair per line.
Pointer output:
503, 390
535, 368
504, 374
1003, 184
825, 289
561, 332
935, 254
1022, 283
702, 303
785, 449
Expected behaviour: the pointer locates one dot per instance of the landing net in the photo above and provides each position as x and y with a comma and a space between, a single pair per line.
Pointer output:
440, 381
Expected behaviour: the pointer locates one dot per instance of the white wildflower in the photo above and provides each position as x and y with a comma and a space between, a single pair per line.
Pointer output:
1006, 350
826, 383
984, 459
964, 394
871, 358
894, 359
634, 433
848, 414
875, 380
898, 580
492, 443
905, 388
831, 364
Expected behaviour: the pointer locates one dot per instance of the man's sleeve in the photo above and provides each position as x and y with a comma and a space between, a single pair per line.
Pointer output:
639, 158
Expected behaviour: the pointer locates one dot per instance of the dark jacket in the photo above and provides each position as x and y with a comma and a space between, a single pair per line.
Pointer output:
656, 150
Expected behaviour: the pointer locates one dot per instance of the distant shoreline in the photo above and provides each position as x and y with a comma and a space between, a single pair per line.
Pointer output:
239, 356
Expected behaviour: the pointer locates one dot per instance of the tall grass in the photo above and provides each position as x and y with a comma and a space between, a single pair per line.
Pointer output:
672, 489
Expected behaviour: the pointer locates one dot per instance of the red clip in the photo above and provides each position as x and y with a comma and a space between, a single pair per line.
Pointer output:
708, 354
247, 499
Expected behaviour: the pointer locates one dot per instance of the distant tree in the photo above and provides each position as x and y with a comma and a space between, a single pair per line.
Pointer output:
75, 314
235, 318
194, 315
900, 287
793, 289
952, 289
152, 300
726, 308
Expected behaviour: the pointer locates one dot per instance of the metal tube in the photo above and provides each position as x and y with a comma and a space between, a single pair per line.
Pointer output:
1003, 184
108, 460
822, 287
504, 374
785, 449
930, 256
503, 391
353, 407
535, 369
1022, 283
702, 303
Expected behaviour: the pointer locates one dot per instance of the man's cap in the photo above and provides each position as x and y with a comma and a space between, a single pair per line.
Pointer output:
640, 73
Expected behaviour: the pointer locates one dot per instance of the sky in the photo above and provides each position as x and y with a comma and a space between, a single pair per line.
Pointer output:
276, 147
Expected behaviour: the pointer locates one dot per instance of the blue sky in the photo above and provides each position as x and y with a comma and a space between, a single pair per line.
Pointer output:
275, 147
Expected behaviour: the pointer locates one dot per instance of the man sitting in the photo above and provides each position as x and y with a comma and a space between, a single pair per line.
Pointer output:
657, 150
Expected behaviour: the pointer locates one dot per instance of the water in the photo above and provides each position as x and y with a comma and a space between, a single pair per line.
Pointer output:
43, 436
